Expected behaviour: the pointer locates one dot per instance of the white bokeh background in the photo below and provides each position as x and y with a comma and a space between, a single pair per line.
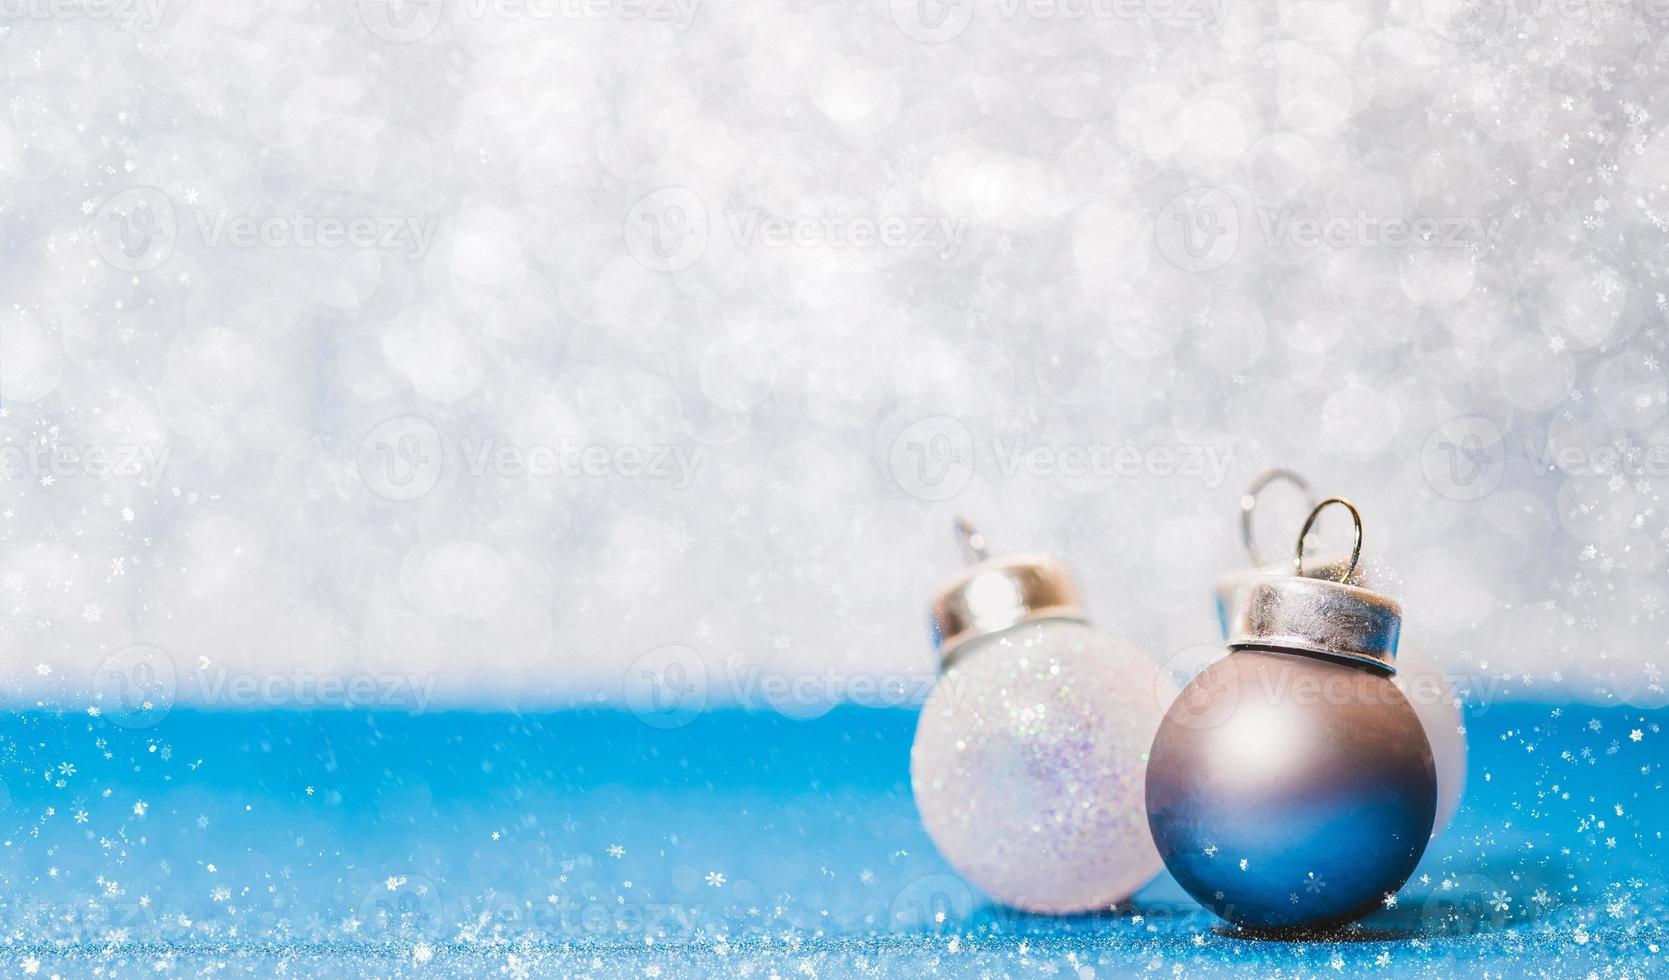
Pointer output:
629, 227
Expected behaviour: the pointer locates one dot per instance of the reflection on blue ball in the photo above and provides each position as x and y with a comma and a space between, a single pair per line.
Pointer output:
1288, 791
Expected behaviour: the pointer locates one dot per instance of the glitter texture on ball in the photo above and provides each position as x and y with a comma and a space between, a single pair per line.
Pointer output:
1027, 767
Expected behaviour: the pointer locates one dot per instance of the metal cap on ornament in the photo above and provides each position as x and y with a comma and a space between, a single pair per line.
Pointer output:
1336, 567
995, 594
1320, 617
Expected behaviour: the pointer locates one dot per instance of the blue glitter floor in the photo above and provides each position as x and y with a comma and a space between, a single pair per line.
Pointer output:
745, 844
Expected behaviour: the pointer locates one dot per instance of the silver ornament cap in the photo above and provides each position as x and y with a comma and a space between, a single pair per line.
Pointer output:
1231, 585
1324, 617
1317, 616
996, 594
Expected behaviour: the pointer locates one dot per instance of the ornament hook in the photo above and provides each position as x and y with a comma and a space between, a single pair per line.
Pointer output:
1249, 502
972, 542
1355, 548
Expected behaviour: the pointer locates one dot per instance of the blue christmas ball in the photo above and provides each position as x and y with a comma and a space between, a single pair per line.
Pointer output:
1290, 791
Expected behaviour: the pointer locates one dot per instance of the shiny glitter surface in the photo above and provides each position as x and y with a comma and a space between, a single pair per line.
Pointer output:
1028, 763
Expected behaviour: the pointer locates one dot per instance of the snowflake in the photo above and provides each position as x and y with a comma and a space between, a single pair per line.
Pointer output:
615, 850
1389, 901
715, 879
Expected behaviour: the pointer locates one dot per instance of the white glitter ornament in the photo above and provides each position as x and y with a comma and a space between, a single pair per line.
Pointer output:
1029, 756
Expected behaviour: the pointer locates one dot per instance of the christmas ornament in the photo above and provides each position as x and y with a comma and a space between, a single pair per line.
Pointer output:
1028, 758
1290, 784
1419, 678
